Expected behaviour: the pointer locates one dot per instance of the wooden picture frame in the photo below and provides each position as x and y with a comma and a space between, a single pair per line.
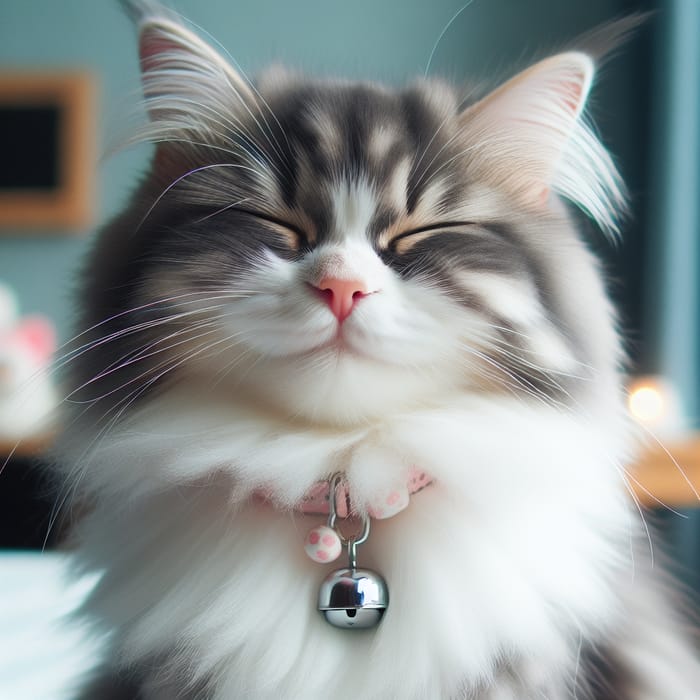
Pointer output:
48, 142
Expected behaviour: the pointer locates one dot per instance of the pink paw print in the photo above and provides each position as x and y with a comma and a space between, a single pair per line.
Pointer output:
418, 480
322, 544
389, 503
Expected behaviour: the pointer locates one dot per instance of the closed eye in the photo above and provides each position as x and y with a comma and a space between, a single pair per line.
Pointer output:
405, 240
295, 236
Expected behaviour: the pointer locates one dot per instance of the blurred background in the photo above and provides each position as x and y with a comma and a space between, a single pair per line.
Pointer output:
646, 105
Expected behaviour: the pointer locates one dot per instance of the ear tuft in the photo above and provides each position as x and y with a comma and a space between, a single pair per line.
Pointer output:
139, 10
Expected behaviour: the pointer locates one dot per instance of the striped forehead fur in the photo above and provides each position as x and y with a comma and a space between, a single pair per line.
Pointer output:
531, 128
272, 175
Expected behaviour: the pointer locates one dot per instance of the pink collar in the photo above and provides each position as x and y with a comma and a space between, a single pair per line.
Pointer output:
384, 505
323, 543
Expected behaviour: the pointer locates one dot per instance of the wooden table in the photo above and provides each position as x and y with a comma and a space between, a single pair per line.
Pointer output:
669, 474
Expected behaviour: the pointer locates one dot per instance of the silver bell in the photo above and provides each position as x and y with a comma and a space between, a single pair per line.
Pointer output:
353, 598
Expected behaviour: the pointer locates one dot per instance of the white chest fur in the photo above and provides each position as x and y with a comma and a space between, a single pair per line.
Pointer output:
510, 552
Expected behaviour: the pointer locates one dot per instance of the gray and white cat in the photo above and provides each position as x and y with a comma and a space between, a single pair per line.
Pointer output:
319, 277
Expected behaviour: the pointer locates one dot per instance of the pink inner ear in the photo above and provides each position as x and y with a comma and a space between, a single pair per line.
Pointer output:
152, 45
572, 91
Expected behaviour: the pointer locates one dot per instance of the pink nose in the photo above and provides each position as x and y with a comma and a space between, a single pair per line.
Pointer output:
341, 295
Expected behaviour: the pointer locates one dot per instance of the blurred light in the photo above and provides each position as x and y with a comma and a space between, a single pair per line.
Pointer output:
654, 403
647, 404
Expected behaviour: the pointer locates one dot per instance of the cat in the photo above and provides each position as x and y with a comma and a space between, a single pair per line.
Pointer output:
319, 278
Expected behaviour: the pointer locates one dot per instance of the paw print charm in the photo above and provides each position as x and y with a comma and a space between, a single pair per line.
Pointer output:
389, 504
322, 544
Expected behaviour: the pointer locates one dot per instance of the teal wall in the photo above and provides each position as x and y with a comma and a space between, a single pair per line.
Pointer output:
385, 39
672, 292
676, 215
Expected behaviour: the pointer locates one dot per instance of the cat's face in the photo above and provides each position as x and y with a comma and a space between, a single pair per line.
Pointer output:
339, 249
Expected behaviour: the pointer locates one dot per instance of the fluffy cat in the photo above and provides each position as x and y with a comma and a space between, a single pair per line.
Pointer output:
319, 277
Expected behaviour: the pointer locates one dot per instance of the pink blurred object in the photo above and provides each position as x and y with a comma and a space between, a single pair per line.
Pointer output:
26, 348
34, 336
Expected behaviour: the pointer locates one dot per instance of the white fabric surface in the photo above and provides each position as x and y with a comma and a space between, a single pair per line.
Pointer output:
42, 653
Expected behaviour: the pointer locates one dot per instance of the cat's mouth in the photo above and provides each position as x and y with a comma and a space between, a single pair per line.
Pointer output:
340, 344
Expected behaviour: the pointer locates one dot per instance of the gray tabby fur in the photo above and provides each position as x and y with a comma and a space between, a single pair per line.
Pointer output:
198, 383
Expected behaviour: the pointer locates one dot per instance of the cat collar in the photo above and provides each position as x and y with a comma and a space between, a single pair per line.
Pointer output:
351, 598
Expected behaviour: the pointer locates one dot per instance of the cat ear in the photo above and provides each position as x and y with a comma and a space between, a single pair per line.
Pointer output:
530, 138
186, 83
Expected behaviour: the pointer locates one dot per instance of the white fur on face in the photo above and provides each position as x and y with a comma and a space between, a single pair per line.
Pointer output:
285, 331
353, 203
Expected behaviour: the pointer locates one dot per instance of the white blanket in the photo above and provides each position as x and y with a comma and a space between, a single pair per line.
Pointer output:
42, 653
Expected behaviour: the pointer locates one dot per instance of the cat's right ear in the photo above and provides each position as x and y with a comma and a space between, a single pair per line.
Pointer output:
183, 76
528, 137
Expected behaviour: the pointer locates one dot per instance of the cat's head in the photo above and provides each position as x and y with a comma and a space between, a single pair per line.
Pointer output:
341, 249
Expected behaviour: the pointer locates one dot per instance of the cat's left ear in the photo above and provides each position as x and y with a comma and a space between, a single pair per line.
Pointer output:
528, 137
168, 49
186, 82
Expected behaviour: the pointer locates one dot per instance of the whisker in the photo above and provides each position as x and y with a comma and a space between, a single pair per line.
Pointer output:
249, 82
128, 400
442, 34
517, 382
132, 310
521, 382
141, 355
643, 519
222, 209
629, 476
672, 459
74, 354
181, 178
